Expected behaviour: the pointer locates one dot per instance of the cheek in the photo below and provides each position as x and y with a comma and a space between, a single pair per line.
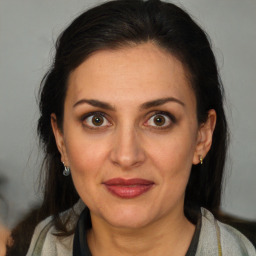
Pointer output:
86, 160
85, 154
174, 152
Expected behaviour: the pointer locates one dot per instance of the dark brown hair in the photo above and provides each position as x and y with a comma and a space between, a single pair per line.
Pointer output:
117, 24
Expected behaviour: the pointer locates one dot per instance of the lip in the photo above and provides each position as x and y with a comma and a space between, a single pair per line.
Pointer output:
128, 188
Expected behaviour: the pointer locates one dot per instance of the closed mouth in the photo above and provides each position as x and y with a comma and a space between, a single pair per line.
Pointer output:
128, 188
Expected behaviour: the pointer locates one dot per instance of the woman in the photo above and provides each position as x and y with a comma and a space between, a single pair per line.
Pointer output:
133, 127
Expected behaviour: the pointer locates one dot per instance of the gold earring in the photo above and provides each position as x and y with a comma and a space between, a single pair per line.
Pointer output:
201, 159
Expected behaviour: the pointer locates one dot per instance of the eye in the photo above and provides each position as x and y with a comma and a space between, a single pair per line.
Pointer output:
94, 120
160, 120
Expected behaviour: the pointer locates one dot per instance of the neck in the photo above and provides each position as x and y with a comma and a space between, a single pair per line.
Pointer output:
168, 236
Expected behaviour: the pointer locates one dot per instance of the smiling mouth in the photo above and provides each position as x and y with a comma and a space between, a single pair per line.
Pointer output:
128, 188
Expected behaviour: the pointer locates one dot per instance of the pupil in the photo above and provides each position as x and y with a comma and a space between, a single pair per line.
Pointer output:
97, 120
159, 120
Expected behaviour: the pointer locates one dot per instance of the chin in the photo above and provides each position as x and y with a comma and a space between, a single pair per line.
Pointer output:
128, 218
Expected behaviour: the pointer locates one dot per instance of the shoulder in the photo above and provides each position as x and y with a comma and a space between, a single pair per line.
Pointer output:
216, 236
45, 241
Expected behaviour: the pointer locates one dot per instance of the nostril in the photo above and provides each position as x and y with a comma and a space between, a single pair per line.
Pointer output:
127, 158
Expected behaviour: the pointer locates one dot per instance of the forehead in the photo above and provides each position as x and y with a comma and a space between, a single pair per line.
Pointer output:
141, 72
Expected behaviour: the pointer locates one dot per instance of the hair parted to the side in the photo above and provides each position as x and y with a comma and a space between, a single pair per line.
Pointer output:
124, 23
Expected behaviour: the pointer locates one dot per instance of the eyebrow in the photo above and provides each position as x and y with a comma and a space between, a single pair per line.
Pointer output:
159, 102
95, 103
146, 105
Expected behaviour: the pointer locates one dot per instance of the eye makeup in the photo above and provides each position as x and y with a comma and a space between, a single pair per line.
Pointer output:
95, 120
160, 120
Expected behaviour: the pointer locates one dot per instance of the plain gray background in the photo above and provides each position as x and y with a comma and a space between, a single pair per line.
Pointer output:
28, 29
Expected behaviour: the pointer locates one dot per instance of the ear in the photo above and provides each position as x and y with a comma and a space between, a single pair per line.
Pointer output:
204, 137
59, 139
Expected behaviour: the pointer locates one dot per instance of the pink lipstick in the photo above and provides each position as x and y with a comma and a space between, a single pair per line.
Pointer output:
128, 188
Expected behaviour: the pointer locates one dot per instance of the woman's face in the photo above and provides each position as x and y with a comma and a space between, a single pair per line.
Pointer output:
130, 134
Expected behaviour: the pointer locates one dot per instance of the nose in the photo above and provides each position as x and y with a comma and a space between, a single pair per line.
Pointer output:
127, 151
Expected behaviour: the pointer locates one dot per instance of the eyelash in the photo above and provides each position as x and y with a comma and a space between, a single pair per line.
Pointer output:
171, 118
92, 114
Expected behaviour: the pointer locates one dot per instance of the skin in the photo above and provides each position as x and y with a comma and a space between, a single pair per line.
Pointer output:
129, 144
4, 237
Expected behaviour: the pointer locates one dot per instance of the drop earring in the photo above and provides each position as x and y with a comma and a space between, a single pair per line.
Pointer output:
66, 171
